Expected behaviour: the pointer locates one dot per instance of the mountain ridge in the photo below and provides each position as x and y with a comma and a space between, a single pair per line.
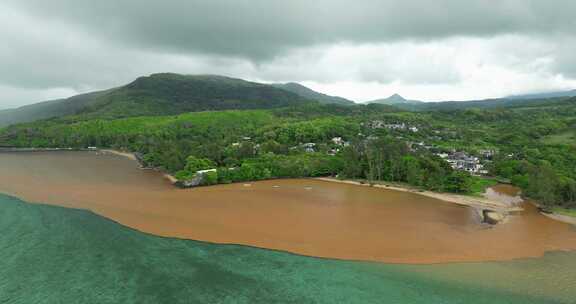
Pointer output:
159, 94
553, 94
313, 95
170, 94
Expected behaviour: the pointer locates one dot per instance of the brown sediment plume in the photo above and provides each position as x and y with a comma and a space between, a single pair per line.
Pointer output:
303, 216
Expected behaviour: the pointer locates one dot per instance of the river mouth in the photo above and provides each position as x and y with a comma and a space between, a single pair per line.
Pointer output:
307, 217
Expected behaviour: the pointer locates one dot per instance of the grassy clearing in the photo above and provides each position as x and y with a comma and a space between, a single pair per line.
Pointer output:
480, 184
563, 211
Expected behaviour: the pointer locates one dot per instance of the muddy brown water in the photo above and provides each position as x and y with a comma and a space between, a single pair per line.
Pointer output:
302, 216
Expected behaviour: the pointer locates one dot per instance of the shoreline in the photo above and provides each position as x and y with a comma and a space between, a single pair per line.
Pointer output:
120, 153
171, 178
463, 200
477, 203
561, 218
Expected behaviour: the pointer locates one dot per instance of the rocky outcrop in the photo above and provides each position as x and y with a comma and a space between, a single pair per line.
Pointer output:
194, 182
493, 217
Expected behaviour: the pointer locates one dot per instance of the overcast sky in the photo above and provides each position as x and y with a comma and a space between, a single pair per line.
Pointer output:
362, 50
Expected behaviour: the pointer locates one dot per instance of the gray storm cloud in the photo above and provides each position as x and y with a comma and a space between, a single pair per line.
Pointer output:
260, 29
432, 49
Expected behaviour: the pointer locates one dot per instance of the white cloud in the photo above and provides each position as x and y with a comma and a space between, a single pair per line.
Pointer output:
13, 97
449, 69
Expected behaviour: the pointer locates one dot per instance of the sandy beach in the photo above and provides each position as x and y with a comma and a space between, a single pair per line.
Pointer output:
562, 218
120, 153
131, 156
471, 201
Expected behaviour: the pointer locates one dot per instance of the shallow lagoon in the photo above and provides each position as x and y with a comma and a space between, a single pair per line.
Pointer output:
57, 255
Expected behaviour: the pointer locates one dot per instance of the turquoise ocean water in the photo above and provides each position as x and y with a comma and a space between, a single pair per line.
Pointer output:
56, 255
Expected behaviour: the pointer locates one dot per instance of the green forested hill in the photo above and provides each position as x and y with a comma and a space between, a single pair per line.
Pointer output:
485, 104
49, 109
169, 94
160, 94
511, 102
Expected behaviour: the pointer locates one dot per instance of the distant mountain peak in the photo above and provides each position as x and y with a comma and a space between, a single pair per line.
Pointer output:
294, 84
396, 100
396, 97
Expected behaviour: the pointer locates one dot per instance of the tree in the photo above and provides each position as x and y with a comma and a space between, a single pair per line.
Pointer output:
568, 192
194, 164
209, 178
542, 185
353, 162
458, 182
413, 172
